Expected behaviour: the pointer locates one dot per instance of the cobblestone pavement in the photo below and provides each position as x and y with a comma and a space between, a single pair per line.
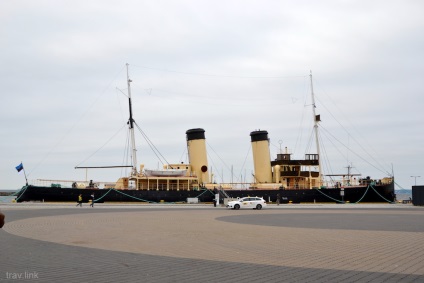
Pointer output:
198, 243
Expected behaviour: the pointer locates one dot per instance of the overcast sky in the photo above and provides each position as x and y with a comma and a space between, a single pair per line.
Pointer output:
229, 67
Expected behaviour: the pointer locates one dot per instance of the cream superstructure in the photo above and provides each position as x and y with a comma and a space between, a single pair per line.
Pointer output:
179, 176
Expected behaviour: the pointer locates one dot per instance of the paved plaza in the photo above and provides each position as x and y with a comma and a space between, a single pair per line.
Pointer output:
201, 243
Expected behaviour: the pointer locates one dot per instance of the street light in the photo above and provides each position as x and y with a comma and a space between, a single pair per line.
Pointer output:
415, 179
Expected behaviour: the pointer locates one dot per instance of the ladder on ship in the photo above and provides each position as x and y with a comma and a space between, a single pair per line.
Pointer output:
221, 190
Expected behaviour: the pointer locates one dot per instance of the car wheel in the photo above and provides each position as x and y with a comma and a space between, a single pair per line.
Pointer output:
237, 206
259, 207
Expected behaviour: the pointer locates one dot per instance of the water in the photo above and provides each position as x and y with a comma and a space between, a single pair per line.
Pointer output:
404, 195
7, 199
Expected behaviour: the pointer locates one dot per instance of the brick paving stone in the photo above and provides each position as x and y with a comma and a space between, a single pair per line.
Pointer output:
284, 244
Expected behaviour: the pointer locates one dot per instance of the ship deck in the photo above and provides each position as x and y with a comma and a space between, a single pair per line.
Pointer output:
200, 243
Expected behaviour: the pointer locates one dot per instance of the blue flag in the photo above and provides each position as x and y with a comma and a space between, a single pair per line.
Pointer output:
20, 167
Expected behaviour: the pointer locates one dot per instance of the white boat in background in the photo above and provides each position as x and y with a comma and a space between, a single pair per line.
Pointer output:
165, 173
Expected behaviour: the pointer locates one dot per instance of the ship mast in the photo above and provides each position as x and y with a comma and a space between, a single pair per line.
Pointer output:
131, 127
316, 120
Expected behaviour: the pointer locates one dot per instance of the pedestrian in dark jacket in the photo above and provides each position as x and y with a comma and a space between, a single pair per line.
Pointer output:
92, 200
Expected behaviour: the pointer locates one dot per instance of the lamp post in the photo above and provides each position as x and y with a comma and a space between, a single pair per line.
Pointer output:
415, 179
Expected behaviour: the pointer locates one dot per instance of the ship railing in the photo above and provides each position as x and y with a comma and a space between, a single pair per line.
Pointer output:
296, 187
54, 183
165, 187
353, 181
357, 183
70, 184
235, 186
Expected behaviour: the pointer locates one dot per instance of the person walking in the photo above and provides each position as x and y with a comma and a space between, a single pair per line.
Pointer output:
79, 200
92, 200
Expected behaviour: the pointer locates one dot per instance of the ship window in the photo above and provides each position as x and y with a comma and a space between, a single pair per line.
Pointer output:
311, 156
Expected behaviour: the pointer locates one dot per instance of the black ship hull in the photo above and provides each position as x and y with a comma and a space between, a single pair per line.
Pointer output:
51, 194
375, 193
371, 193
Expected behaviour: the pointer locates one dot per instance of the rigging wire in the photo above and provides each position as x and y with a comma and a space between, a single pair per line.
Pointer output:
184, 154
361, 146
365, 160
159, 155
331, 141
310, 143
216, 100
244, 162
359, 132
119, 104
126, 159
225, 165
219, 157
213, 163
76, 122
214, 75
100, 147
301, 127
324, 161
275, 146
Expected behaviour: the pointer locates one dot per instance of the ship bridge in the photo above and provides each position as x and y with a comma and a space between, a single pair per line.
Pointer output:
297, 173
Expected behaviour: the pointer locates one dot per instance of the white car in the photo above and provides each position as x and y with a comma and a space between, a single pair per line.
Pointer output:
247, 202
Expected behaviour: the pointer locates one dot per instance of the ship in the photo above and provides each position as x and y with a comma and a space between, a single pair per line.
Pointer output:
282, 180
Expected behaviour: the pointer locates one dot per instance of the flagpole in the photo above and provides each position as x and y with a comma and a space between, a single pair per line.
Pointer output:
26, 179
